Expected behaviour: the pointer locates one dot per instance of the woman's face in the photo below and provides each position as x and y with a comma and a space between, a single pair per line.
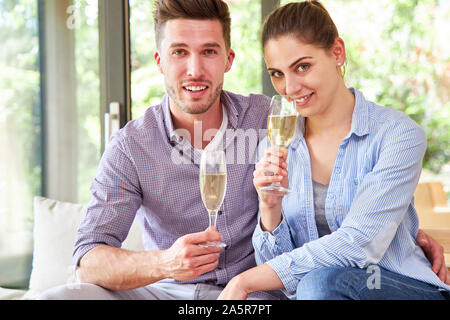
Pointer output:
305, 72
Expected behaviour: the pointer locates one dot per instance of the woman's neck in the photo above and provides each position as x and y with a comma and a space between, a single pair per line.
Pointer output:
336, 120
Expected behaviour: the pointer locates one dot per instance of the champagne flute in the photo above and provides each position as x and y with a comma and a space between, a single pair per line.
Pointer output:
281, 127
213, 185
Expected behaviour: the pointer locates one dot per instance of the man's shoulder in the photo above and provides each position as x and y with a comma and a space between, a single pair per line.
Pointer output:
145, 129
251, 103
149, 121
250, 99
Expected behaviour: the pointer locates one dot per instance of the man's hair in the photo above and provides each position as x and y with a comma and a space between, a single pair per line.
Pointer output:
166, 10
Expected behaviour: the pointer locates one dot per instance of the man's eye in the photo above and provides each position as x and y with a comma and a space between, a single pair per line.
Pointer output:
210, 51
178, 52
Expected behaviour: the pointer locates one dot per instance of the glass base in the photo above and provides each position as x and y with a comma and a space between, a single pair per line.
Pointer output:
213, 244
275, 190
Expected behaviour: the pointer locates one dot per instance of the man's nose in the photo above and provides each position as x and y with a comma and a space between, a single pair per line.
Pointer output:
194, 66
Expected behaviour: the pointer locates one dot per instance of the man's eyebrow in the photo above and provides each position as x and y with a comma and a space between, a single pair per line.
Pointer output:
184, 45
212, 45
178, 44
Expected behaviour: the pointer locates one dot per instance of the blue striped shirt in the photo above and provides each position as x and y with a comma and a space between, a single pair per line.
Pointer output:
369, 205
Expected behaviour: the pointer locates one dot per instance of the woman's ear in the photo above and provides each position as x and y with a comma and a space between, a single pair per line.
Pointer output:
338, 51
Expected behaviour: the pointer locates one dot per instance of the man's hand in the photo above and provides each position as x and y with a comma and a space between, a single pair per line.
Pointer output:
435, 254
186, 260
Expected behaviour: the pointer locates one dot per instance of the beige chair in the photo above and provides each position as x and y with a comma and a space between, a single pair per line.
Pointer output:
434, 213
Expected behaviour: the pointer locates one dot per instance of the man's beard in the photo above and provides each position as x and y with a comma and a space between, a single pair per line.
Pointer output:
198, 109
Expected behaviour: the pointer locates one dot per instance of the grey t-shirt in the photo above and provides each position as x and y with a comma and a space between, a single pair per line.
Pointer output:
320, 195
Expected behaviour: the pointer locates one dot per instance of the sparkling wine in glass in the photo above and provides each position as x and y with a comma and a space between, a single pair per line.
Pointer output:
213, 186
281, 128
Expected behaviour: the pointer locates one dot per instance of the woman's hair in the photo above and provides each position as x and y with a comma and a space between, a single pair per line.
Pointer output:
166, 10
308, 21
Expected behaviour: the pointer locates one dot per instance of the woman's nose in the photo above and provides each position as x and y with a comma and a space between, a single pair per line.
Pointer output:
292, 85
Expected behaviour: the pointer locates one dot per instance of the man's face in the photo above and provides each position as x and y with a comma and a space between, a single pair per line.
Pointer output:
193, 58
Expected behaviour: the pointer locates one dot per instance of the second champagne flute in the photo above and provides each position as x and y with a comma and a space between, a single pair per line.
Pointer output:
213, 186
281, 128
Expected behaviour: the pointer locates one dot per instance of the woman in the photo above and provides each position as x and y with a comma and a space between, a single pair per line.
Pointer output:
347, 231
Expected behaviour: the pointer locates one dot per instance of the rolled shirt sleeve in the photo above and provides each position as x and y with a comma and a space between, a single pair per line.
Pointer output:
269, 245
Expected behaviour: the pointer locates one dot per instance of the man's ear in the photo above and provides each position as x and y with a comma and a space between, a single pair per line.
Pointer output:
158, 61
230, 60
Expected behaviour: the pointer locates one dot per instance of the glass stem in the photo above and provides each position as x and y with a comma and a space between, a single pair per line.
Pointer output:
212, 218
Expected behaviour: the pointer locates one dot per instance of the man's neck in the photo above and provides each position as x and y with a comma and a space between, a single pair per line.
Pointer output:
197, 124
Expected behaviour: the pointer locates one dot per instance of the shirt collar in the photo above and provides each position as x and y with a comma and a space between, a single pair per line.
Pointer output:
360, 120
232, 115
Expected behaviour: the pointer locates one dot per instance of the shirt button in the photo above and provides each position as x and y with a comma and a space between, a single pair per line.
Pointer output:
331, 196
338, 170
220, 212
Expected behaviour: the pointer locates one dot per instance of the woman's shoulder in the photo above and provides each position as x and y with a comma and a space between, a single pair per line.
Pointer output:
388, 118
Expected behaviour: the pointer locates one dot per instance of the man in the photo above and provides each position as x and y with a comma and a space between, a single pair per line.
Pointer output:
150, 172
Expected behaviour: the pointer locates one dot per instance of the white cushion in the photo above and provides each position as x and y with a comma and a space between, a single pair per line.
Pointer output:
9, 294
55, 228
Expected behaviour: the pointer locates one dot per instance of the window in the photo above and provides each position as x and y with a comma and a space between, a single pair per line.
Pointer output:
20, 134
49, 116
70, 55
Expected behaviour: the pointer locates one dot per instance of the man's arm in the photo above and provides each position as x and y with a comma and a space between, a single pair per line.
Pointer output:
119, 269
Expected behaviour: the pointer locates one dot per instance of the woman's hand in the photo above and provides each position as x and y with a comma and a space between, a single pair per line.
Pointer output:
271, 168
235, 290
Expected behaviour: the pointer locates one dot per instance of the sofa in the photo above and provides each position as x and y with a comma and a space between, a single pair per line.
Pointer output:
56, 223
54, 232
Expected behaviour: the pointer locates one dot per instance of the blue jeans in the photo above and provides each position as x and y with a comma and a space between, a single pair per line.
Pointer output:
339, 283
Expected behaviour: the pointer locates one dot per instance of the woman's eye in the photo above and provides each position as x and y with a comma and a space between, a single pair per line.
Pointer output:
276, 74
303, 67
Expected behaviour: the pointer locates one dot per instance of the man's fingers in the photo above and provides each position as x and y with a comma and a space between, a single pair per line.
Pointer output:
200, 237
442, 274
206, 268
204, 259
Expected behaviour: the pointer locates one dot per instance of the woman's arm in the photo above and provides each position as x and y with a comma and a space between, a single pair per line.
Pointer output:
272, 236
260, 278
